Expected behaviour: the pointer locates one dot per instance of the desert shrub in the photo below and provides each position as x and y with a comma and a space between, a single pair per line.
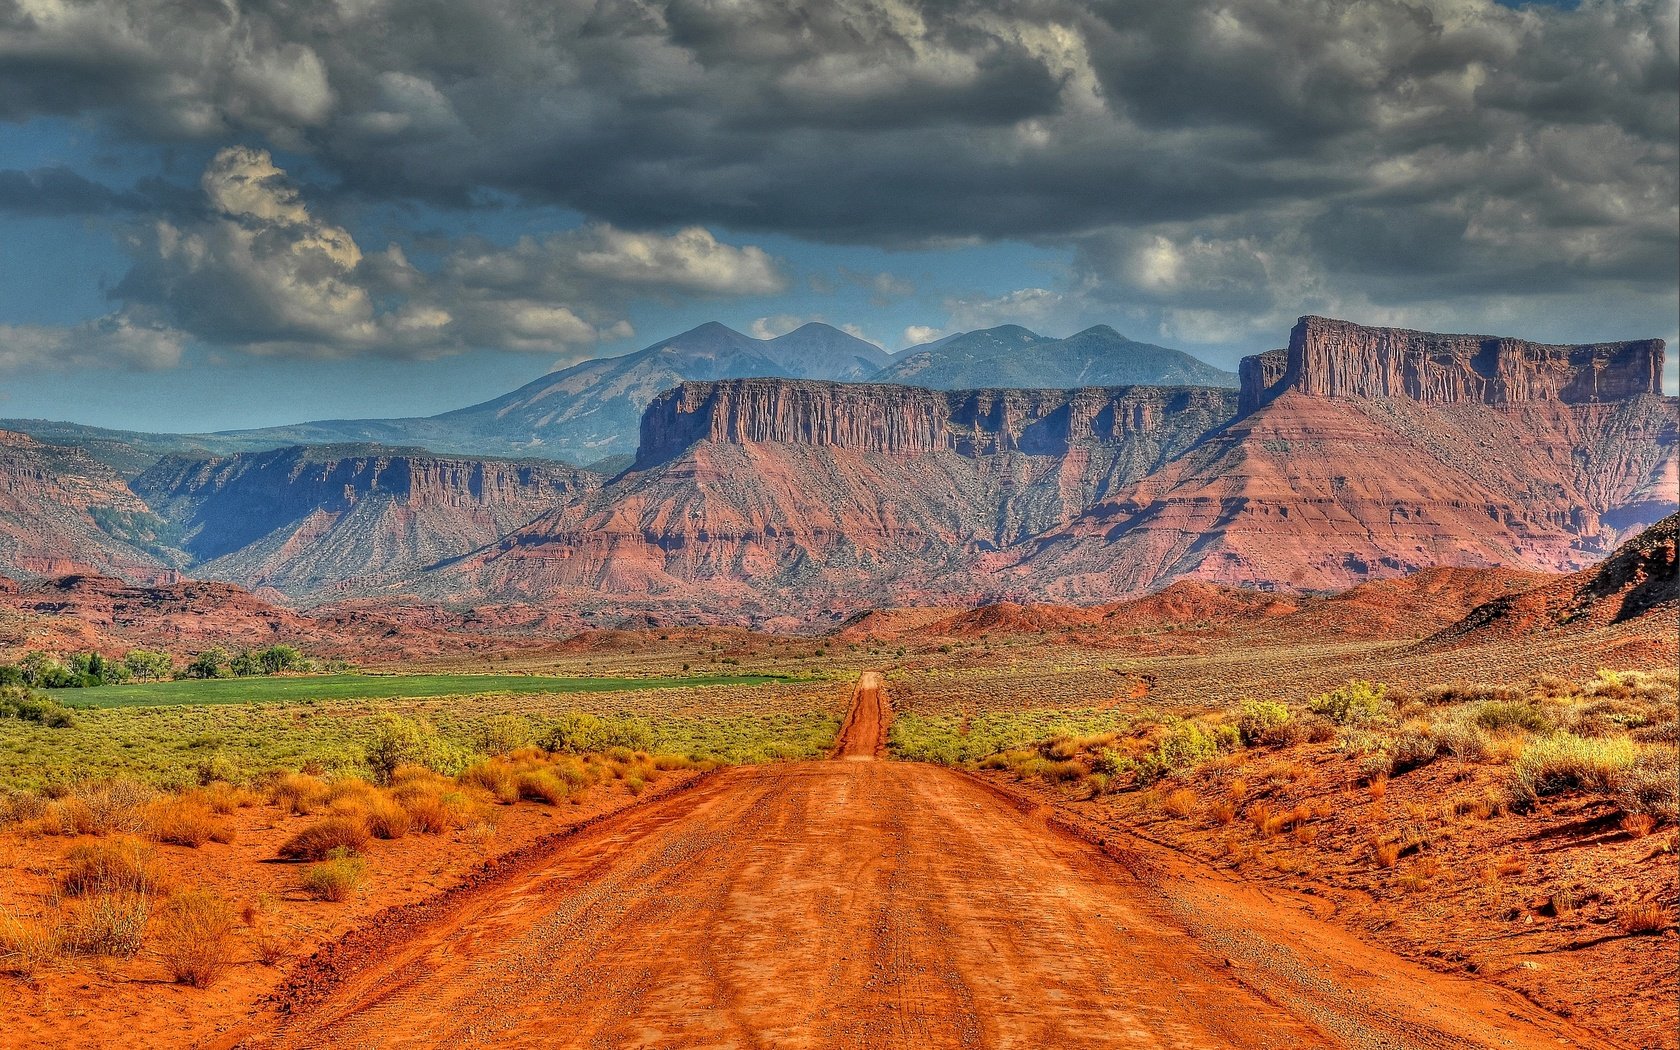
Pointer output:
335, 878
1460, 691
1180, 803
387, 819
1504, 715
27, 945
1410, 750
1646, 917
1374, 767
28, 706
122, 865
495, 776
501, 734
298, 792
1191, 743
399, 741
577, 732
541, 786
1561, 762
114, 804
106, 924
320, 839
1468, 742
1651, 785
1353, 701
1311, 729
194, 937
427, 812
186, 822
1262, 722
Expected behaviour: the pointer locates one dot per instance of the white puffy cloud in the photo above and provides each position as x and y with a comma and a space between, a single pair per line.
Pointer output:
116, 340
264, 272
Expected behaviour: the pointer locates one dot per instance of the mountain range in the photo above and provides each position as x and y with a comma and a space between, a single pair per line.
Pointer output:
589, 413
1355, 453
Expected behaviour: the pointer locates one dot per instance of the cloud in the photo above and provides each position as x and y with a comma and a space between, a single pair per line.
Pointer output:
116, 340
1024, 306
1432, 155
263, 272
917, 334
774, 325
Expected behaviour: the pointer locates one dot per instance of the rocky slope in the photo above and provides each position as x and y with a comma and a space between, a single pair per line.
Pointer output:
310, 522
61, 511
763, 496
1012, 356
1642, 578
1512, 454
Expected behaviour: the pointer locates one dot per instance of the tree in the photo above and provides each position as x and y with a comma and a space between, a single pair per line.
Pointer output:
146, 665
211, 663
278, 658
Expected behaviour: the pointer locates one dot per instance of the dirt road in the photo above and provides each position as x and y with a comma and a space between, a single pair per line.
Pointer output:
885, 904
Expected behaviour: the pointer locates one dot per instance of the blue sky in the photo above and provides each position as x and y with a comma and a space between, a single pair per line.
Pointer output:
197, 218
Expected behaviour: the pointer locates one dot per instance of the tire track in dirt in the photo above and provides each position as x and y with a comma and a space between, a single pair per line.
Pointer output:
882, 904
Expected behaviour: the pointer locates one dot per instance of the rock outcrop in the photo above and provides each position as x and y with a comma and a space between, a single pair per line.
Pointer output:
314, 520
890, 419
61, 511
1330, 358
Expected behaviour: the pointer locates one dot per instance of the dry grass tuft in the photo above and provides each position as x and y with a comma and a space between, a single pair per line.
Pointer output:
186, 821
121, 865
27, 946
195, 937
1647, 917
106, 924
1180, 803
320, 839
334, 879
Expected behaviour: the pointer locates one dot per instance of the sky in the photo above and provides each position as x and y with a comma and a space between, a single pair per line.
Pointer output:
219, 214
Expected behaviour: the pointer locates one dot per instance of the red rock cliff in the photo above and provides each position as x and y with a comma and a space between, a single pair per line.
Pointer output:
1330, 358
898, 419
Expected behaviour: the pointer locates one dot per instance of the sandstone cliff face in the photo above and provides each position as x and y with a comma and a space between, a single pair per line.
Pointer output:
312, 521
1330, 358
62, 512
890, 419
1262, 377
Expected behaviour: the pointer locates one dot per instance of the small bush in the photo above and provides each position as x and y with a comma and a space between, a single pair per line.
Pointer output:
494, 776
1411, 750
540, 786
117, 804
118, 866
387, 819
27, 946
298, 792
335, 878
1562, 762
1354, 701
399, 741
186, 822
427, 812
1504, 715
106, 924
1651, 786
320, 839
1467, 742
1180, 803
1262, 722
195, 937
1649, 917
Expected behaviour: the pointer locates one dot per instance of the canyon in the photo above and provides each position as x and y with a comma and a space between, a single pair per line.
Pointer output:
1353, 454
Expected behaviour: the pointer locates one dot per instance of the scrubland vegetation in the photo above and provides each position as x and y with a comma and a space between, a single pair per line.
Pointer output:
115, 891
1517, 831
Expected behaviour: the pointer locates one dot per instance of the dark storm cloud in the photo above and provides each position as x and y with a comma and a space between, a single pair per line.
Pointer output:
60, 191
1196, 155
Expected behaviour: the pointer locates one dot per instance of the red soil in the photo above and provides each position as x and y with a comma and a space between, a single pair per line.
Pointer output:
878, 904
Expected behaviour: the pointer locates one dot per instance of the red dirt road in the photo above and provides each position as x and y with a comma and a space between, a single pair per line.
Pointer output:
885, 904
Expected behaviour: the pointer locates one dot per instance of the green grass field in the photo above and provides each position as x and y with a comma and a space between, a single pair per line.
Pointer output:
369, 687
